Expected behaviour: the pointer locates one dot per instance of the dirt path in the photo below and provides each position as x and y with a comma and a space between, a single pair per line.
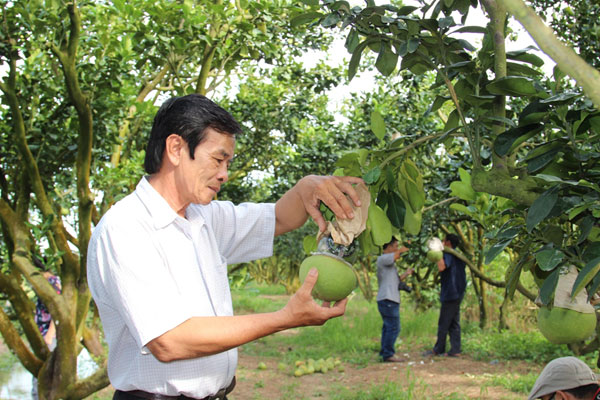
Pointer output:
421, 375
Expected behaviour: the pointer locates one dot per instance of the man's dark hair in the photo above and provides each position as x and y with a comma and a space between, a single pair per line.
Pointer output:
391, 242
453, 239
189, 117
583, 392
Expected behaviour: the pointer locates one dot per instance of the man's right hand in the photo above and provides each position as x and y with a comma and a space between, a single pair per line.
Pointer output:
303, 310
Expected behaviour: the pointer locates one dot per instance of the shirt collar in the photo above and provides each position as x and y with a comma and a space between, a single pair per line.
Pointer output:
161, 212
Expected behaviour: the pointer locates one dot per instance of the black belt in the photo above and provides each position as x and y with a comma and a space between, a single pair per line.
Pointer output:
140, 394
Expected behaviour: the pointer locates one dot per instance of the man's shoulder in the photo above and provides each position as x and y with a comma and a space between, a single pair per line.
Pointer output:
128, 211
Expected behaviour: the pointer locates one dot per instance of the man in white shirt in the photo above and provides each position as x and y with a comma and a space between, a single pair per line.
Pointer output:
157, 261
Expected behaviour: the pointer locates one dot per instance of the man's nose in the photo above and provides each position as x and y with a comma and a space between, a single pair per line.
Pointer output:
223, 174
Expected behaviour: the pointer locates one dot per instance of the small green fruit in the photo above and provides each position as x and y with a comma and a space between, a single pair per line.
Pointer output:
564, 326
434, 255
336, 278
298, 373
262, 365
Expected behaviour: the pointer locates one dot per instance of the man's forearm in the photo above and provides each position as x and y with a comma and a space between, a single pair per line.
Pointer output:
290, 213
204, 336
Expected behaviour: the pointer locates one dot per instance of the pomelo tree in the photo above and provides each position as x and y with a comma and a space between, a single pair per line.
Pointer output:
531, 139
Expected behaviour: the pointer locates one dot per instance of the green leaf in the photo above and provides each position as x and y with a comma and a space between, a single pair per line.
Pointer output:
548, 259
387, 60
533, 113
309, 244
462, 190
537, 163
377, 124
330, 20
413, 44
511, 138
549, 286
470, 29
341, 5
372, 176
310, 2
594, 286
355, 59
452, 121
396, 210
516, 86
561, 98
305, 18
525, 55
462, 209
405, 10
521, 69
585, 227
513, 277
541, 207
352, 40
509, 233
466, 45
496, 249
437, 103
585, 276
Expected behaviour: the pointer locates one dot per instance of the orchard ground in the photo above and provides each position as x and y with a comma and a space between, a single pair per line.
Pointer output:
420, 377
493, 366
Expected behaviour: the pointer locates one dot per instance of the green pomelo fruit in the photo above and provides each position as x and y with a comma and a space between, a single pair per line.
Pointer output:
336, 279
435, 256
564, 326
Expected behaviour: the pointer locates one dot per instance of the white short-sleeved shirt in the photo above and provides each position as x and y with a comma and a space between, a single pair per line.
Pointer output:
149, 270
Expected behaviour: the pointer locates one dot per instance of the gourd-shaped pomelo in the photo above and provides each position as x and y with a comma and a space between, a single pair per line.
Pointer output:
564, 326
336, 278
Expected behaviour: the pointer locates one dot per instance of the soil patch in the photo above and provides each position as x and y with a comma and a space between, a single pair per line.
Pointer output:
424, 376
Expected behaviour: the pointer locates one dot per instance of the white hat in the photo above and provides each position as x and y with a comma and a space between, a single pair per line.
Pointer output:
562, 374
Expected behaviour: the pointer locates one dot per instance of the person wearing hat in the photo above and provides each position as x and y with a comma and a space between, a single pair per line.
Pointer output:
566, 378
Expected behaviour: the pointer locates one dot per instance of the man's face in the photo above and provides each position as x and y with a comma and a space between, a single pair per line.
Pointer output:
199, 180
392, 247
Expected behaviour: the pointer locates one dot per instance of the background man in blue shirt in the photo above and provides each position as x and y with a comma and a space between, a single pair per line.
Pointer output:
453, 285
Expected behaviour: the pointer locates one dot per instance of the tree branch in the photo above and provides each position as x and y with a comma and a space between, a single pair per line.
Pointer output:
586, 76
16, 344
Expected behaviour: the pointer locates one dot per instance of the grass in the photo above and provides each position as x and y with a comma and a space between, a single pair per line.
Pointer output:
516, 383
415, 388
355, 339
357, 333
528, 346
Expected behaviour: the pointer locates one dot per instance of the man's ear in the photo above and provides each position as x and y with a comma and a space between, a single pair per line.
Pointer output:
174, 148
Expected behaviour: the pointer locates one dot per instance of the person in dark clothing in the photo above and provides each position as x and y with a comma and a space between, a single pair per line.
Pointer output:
453, 285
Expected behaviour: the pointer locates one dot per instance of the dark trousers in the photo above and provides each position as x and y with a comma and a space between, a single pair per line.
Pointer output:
449, 324
390, 313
